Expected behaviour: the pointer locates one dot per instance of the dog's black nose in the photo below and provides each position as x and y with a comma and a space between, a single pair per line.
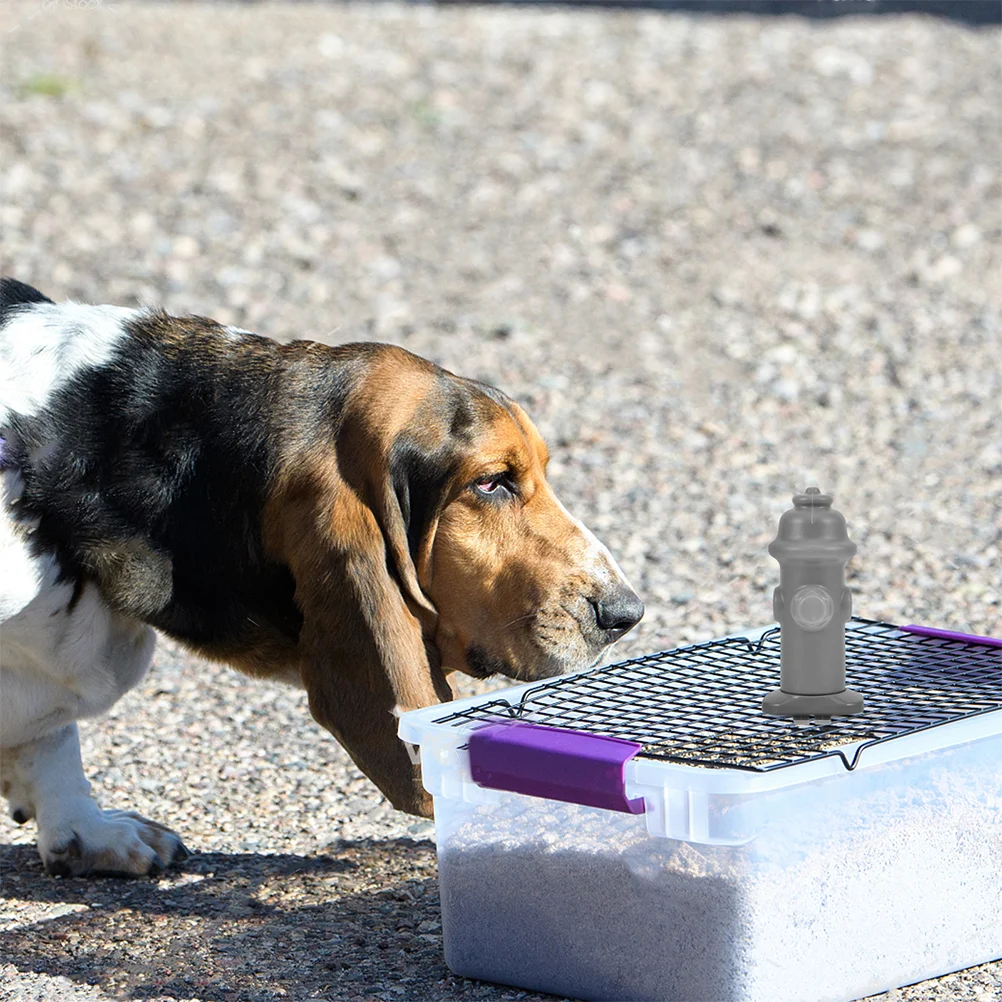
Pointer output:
618, 612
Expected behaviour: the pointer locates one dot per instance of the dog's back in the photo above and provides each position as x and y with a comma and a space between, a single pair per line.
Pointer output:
140, 441
14, 293
23, 571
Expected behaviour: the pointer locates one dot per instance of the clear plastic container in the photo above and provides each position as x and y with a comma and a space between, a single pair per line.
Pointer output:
810, 882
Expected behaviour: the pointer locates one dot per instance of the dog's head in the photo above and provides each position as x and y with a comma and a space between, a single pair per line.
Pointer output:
429, 541
519, 586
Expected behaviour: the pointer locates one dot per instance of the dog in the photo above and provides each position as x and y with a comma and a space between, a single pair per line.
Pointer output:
354, 520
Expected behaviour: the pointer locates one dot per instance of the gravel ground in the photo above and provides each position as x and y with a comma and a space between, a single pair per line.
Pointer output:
717, 260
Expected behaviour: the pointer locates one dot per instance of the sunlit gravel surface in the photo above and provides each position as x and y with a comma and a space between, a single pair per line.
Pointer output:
717, 260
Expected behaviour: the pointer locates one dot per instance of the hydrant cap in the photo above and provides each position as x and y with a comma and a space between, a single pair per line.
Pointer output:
812, 530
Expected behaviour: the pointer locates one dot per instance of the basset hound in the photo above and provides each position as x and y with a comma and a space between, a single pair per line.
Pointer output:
354, 520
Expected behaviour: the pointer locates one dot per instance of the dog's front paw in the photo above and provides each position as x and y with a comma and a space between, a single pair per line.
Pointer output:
110, 844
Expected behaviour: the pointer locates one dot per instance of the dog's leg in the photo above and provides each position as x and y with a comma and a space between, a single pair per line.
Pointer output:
44, 779
63, 658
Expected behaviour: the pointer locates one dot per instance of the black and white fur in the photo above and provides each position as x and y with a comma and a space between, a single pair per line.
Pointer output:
65, 654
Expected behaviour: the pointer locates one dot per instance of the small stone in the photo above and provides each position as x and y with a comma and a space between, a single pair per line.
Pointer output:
185, 247
965, 236
869, 240
945, 268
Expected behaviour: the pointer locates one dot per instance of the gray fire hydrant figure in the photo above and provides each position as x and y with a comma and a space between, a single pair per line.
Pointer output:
812, 605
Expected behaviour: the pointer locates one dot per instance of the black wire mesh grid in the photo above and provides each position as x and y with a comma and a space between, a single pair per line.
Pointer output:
701, 705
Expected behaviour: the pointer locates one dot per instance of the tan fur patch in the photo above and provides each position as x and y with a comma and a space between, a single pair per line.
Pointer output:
499, 570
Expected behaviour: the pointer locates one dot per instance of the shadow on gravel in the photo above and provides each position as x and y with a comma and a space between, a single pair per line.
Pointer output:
358, 921
209, 883
972, 12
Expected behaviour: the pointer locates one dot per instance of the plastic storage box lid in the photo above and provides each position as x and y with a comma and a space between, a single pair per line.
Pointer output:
672, 733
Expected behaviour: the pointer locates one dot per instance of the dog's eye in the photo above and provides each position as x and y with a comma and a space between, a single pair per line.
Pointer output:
494, 486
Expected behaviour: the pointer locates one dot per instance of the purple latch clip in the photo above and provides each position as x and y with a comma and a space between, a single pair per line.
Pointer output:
967, 638
555, 763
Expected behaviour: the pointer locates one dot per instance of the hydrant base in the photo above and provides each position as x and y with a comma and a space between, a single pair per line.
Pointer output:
792, 704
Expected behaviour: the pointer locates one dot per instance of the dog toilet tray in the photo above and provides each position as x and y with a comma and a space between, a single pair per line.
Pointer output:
643, 831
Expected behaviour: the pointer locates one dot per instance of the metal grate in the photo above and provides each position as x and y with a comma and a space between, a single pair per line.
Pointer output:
700, 705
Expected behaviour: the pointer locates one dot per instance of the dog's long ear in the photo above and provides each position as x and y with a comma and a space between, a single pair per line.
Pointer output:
416, 492
354, 525
362, 652
404, 467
